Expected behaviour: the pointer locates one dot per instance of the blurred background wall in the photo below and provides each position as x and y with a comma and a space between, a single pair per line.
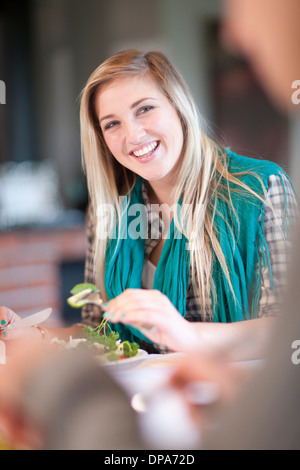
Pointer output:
48, 48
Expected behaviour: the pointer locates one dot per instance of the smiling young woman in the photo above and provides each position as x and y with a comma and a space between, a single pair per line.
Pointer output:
143, 143
141, 129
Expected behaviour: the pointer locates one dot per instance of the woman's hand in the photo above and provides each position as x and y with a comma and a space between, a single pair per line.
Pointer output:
16, 339
7, 316
153, 314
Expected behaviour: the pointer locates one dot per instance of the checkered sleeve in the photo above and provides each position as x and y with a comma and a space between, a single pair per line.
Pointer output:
284, 210
281, 209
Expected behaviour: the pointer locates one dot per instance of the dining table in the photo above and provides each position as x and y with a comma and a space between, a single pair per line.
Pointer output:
163, 412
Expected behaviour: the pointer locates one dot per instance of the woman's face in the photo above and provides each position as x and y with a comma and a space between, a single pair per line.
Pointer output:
140, 127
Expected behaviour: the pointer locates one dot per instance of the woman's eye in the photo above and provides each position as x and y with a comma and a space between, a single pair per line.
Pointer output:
110, 125
144, 109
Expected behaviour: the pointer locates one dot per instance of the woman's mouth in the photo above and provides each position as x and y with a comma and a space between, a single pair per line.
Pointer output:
145, 152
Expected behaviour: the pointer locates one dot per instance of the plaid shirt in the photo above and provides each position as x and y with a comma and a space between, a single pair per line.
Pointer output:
269, 303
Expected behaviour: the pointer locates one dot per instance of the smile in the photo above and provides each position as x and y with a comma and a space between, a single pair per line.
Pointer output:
146, 151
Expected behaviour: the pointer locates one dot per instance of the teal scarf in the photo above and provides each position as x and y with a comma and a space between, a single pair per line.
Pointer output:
241, 237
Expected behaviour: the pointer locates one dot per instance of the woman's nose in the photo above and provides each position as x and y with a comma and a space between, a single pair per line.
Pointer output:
135, 132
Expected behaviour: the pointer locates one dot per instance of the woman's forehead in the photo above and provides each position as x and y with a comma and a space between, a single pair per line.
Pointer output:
126, 91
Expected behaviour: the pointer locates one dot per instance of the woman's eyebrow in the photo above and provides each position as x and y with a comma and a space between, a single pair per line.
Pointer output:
136, 103
109, 116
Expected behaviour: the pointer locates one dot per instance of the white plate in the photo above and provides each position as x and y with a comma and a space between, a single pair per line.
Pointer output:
122, 364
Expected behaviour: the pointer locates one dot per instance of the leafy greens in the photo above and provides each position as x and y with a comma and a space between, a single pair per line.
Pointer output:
113, 346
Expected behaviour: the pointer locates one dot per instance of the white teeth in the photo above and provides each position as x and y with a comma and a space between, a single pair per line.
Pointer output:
144, 151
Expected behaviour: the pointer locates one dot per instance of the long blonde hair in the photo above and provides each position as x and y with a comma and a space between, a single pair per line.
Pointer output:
107, 179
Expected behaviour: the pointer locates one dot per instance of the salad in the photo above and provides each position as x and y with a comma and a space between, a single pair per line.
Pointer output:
102, 339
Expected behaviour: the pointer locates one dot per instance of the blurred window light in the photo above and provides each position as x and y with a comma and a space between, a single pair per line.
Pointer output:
29, 194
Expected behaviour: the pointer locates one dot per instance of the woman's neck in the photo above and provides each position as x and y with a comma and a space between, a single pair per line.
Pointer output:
160, 193
162, 196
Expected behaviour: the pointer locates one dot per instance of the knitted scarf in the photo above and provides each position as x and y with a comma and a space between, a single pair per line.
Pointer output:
241, 234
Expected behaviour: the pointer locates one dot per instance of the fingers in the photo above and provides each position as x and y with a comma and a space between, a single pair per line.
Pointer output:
141, 309
143, 312
153, 314
140, 319
136, 317
137, 300
7, 315
4, 320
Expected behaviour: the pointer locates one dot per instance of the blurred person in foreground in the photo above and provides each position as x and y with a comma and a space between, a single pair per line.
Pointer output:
53, 399
265, 414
